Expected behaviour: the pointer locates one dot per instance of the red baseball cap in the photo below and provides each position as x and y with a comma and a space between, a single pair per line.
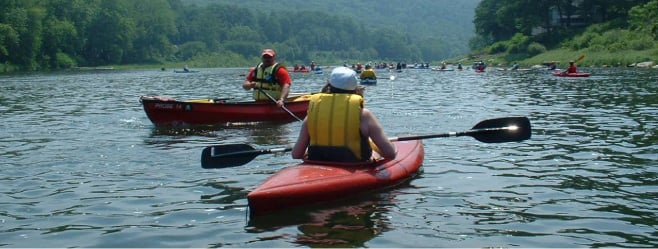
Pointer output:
268, 51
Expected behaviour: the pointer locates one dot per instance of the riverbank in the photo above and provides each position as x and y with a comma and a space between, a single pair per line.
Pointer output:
626, 58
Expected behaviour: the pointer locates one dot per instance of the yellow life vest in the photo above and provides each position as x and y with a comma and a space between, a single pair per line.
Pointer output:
368, 74
333, 122
267, 81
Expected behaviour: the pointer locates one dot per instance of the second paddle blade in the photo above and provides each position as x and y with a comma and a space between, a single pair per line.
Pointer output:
223, 156
518, 129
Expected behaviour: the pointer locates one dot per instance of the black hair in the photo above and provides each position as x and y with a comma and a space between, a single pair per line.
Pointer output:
333, 89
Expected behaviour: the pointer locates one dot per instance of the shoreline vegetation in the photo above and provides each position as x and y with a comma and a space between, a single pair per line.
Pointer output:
625, 58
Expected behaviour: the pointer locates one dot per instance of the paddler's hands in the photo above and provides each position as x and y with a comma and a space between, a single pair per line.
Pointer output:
249, 85
279, 103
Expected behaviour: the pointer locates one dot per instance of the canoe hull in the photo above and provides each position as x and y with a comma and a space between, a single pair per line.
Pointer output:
170, 112
311, 182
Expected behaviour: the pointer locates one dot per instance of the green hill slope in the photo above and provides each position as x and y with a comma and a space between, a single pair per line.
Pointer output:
448, 23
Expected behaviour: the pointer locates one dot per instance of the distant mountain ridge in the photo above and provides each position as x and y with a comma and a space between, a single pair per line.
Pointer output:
447, 22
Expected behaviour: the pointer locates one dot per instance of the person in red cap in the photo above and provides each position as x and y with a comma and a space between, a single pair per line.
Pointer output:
271, 77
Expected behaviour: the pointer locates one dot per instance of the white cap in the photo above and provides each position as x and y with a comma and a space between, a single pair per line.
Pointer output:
343, 78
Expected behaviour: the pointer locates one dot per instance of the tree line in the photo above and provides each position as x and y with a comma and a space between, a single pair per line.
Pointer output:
56, 34
530, 27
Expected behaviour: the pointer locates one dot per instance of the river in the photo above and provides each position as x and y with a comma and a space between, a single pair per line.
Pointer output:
82, 165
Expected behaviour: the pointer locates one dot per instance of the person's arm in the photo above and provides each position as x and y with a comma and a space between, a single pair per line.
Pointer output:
284, 94
284, 78
299, 150
377, 135
248, 83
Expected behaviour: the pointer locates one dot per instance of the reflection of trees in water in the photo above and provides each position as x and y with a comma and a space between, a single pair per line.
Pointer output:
349, 223
206, 131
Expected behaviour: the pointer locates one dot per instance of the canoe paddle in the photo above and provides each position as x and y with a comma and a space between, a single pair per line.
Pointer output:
497, 130
283, 106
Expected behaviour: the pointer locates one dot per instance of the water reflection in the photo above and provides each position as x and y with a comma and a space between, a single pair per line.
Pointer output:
254, 133
227, 196
339, 224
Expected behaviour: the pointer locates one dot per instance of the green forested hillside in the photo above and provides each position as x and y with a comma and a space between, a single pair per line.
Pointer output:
55, 34
609, 32
444, 23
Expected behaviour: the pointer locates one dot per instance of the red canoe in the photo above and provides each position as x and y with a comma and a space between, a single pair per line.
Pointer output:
561, 74
168, 111
314, 182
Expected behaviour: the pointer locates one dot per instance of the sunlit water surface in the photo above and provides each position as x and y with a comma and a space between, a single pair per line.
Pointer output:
82, 166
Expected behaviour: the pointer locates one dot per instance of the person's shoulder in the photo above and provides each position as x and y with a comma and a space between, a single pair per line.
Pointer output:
365, 112
281, 67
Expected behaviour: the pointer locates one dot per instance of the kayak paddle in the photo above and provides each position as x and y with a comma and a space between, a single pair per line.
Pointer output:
223, 156
497, 130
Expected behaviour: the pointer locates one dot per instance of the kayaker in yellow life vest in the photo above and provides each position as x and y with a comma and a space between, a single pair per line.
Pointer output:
338, 128
269, 76
369, 73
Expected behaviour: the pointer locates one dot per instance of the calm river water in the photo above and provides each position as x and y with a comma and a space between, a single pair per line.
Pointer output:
82, 166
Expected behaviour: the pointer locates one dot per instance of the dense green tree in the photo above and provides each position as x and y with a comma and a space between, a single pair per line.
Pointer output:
111, 34
154, 22
27, 23
9, 38
644, 18
61, 37
547, 22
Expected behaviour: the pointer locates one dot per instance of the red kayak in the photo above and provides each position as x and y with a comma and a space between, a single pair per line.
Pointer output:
562, 74
318, 182
169, 111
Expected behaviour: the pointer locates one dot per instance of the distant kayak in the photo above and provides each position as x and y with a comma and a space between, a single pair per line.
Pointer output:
368, 81
443, 69
561, 74
511, 69
183, 71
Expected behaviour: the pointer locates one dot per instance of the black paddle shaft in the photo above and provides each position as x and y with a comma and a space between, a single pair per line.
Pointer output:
498, 130
222, 156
